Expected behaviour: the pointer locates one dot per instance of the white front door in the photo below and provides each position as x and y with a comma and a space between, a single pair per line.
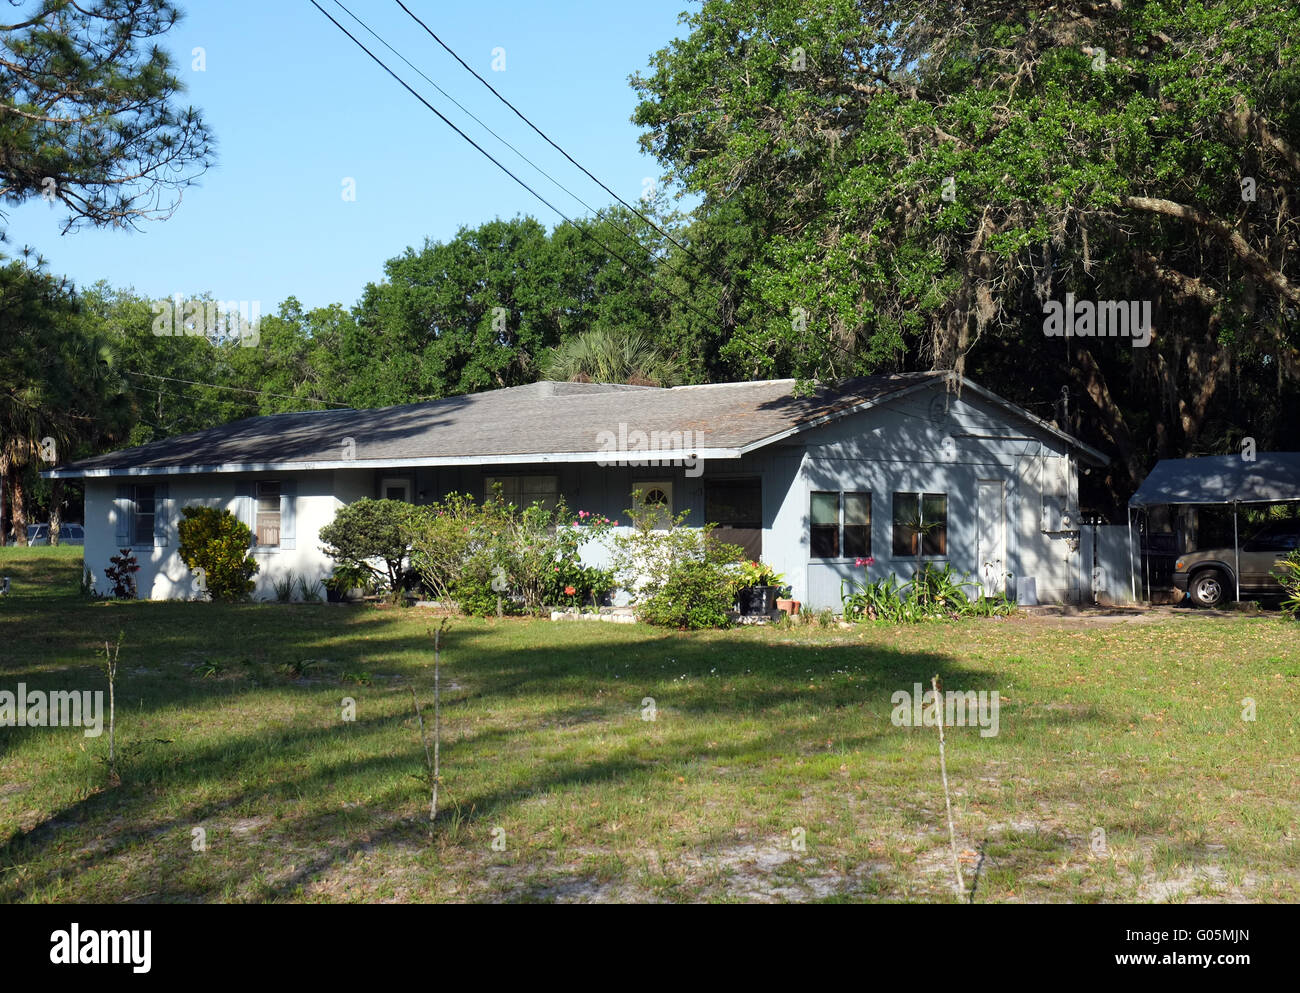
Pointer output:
992, 537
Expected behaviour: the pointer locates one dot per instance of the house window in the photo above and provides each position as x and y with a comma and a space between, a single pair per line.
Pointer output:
268, 514
653, 503
396, 488
524, 491
923, 516
839, 525
144, 508
857, 525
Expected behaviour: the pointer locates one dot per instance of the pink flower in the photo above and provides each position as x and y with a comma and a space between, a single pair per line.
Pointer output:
869, 560
569, 590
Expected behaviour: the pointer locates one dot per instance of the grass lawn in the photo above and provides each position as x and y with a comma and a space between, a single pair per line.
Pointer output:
555, 788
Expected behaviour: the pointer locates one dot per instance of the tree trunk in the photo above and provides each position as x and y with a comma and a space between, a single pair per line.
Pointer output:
4, 490
56, 509
1088, 375
14, 484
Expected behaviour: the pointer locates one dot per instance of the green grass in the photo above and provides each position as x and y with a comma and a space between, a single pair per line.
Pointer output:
229, 721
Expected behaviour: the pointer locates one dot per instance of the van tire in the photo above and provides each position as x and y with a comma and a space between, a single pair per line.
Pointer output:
1209, 588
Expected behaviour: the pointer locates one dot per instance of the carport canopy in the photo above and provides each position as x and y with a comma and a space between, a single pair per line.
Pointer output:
1273, 477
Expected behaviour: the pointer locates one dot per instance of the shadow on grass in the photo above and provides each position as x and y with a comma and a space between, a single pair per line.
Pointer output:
525, 675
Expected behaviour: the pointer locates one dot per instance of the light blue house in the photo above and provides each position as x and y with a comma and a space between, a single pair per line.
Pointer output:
813, 485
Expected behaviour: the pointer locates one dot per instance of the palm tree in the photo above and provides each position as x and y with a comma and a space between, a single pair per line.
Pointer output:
605, 356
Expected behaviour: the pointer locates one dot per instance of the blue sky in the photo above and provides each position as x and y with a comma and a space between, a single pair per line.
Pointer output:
296, 108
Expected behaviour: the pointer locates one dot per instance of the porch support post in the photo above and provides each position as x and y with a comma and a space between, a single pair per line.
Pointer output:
1236, 551
1132, 569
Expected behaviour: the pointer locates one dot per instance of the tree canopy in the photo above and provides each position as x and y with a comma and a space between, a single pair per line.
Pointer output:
922, 178
88, 112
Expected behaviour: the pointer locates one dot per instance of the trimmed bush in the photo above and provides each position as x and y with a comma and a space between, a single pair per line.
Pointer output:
375, 536
217, 542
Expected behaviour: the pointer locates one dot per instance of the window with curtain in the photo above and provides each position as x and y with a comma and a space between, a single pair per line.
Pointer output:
268, 514
824, 525
857, 525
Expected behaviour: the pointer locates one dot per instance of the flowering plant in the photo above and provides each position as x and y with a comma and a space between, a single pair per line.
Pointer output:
758, 574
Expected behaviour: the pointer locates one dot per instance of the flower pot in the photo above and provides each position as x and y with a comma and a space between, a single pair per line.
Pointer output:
757, 600
791, 607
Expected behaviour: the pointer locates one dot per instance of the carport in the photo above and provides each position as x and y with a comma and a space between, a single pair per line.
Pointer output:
1222, 480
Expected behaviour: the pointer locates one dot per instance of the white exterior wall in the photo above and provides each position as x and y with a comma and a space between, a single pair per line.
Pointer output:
164, 576
900, 446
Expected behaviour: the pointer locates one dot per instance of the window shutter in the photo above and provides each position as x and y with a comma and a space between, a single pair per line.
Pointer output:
288, 514
123, 506
246, 507
161, 515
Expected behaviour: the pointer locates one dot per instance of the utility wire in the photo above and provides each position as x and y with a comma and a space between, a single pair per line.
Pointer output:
472, 116
846, 350
238, 389
619, 227
491, 158
708, 268
547, 139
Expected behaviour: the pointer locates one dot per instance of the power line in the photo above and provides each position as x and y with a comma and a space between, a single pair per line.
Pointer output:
547, 139
179, 396
238, 389
846, 350
472, 116
491, 158
619, 227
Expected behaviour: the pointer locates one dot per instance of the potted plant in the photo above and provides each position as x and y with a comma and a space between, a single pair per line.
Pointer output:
344, 581
759, 584
785, 601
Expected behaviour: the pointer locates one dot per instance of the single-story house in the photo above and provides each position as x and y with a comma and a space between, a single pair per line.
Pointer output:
811, 484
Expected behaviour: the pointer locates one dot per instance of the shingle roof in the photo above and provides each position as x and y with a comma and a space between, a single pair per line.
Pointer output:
543, 421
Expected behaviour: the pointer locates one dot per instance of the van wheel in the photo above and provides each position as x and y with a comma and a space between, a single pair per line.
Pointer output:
1209, 588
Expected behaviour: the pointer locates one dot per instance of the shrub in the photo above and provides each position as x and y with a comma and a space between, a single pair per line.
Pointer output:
310, 592
457, 552
932, 594
677, 576
217, 542
479, 555
573, 584
375, 535
542, 548
121, 573
1289, 577
284, 587
689, 598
